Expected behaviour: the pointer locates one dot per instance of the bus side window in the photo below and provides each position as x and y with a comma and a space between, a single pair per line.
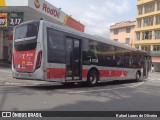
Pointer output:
127, 61
93, 52
86, 53
137, 60
119, 57
56, 51
86, 58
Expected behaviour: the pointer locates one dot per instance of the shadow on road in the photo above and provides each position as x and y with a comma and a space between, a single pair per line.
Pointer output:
145, 97
80, 85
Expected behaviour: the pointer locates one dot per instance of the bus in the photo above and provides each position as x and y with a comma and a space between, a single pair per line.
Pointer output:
50, 52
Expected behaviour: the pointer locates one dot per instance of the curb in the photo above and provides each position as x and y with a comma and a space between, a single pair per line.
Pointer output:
19, 84
15, 84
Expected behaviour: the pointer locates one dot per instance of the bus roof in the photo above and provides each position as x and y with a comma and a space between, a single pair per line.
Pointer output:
91, 37
84, 35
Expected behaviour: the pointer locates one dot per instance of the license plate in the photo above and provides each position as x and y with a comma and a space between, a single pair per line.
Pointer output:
25, 75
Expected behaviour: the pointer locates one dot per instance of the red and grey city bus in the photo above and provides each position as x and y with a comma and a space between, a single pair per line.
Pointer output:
50, 52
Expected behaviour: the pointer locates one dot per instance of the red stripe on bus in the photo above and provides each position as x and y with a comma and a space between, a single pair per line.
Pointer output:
84, 73
56, 73
112, 73
61, 73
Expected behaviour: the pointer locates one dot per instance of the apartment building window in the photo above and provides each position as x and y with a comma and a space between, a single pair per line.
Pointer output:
143, 35
156, 47
137, 46
149, 35
146, 48
140, 10
116, 32
158, 5
127, 41
149, 8
128, 30
157, 34
138, 35
116, 40
157, 19
148, 21
139, 23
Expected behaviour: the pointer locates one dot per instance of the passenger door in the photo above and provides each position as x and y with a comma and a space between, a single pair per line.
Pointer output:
73, 59
145, 68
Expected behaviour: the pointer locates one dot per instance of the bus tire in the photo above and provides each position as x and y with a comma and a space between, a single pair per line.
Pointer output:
138, 76
92, 78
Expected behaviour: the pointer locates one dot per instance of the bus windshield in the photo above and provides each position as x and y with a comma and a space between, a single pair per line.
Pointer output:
26, 36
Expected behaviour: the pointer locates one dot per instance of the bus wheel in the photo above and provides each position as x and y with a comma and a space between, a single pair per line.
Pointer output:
138, 77
92, 78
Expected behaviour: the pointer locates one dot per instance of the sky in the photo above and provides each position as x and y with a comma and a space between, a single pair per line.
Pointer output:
98, 15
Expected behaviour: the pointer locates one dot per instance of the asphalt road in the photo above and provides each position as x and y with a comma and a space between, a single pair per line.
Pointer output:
109, 96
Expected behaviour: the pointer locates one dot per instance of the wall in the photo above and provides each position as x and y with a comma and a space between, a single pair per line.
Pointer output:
14, 2
122, 35
156, 67
153, 41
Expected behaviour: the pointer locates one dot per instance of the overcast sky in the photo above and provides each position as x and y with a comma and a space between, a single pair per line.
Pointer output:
98, 15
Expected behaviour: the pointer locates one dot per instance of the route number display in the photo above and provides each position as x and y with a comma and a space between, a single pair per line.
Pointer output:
15, 21
15, 18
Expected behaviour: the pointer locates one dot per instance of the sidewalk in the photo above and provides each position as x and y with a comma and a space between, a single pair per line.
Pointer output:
6, 79
20, 82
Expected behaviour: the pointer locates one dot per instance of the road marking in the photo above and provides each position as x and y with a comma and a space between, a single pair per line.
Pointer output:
88, 91
9, 76
153, 80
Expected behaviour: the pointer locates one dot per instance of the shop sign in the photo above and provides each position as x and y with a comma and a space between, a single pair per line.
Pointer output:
51, 11
15, 18
48, 9
3, 19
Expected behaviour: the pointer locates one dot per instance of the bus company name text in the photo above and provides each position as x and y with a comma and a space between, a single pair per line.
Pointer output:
51, 11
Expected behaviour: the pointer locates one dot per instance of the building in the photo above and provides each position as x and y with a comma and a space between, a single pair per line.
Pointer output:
123, 32
14, 12
148, 29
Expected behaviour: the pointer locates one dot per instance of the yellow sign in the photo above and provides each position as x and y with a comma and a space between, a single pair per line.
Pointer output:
36, 3
66, 19
3, 19
2, 3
